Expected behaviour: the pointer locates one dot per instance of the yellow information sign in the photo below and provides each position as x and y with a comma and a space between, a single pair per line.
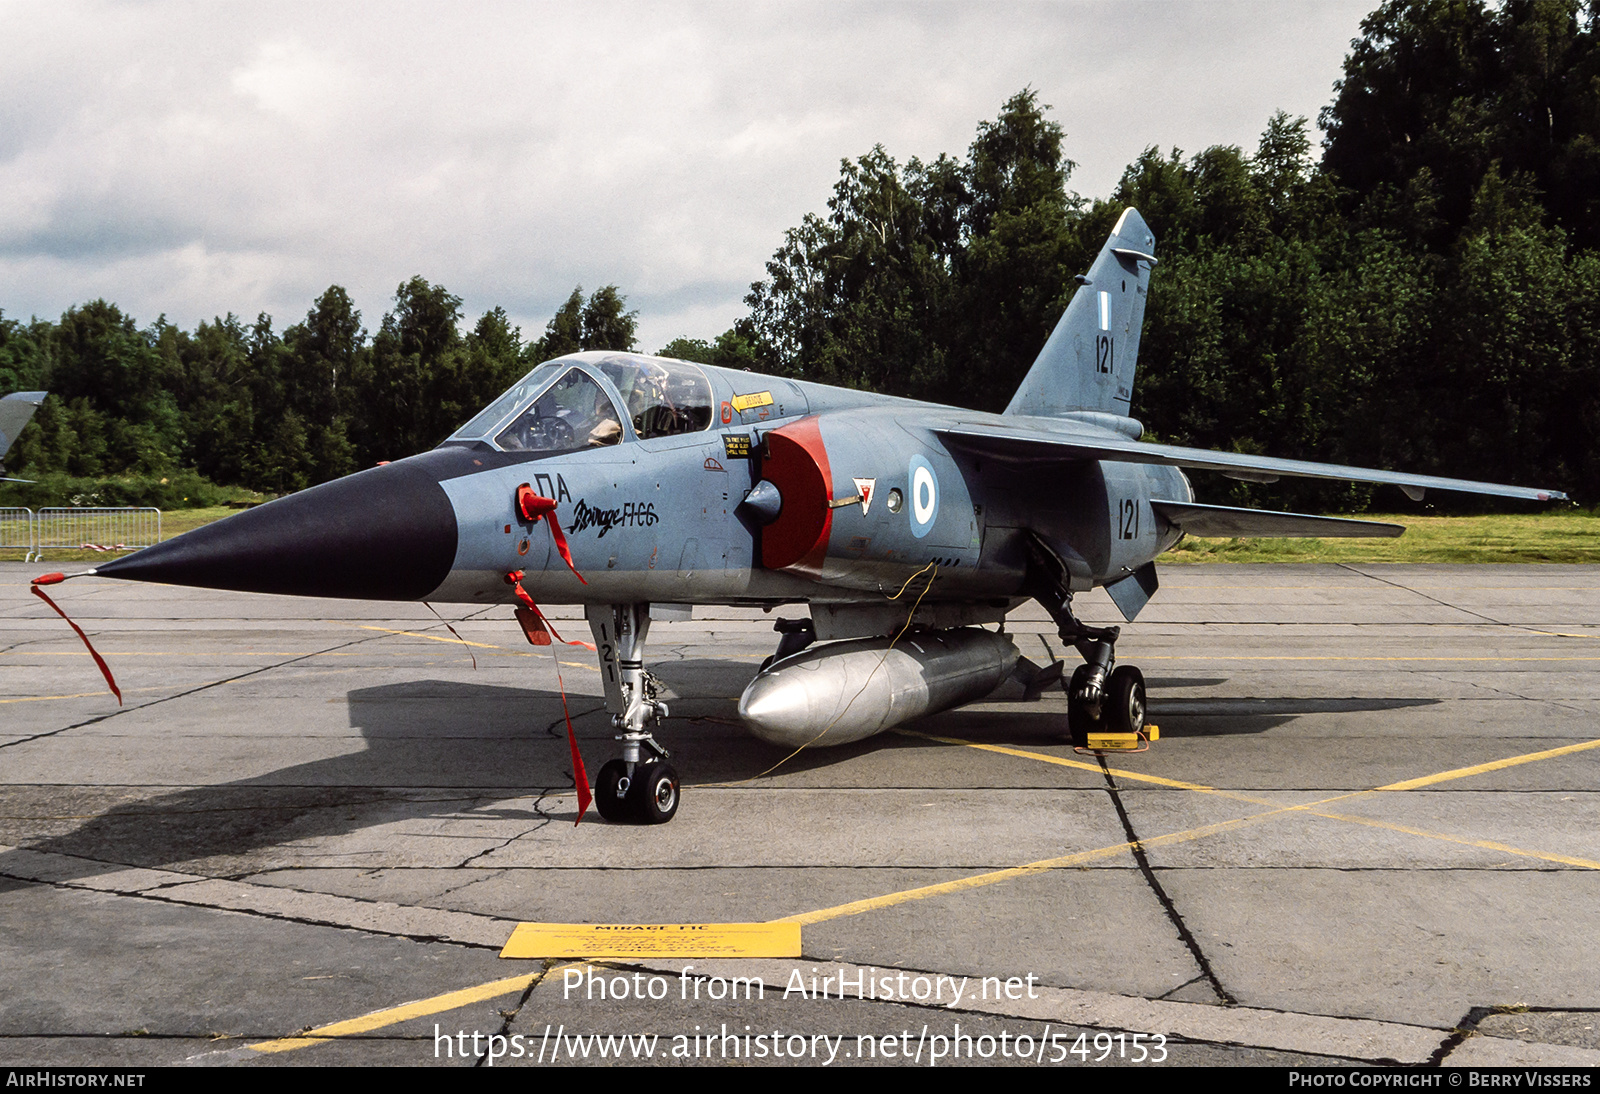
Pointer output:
742, 403
654, 940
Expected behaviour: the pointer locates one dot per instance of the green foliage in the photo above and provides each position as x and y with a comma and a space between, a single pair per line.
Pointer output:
1427, 296
564, 333
180, 490
925, 277
601, 322
733, 348
606, 322
1458, 89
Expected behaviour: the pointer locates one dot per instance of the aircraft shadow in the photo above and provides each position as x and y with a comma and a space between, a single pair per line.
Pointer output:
433, 749
1203, 717
437, 749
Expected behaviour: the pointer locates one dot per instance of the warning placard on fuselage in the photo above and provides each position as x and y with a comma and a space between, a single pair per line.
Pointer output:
742, 403
736, 446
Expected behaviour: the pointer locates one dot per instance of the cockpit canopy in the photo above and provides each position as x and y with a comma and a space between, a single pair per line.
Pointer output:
571, 403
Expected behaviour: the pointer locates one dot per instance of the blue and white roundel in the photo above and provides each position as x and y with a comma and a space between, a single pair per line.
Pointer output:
924, 497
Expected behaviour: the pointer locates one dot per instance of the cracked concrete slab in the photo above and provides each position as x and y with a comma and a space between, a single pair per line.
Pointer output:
302, 817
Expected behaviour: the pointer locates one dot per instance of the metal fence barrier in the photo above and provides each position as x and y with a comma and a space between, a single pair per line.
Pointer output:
95, 529
16, 530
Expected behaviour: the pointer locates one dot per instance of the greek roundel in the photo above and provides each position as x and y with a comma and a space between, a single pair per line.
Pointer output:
924, 506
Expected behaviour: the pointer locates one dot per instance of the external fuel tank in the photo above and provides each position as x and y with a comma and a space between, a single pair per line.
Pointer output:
839, 692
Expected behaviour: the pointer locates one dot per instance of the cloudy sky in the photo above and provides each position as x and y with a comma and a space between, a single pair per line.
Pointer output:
198, 158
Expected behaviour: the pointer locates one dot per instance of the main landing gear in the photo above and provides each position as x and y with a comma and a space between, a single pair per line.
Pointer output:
641, 787
1105, 701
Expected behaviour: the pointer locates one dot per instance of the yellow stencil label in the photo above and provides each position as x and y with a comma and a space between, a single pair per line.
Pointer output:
742, 403
654, 940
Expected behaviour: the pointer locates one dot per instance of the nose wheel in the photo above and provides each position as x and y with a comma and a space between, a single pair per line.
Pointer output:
641, 787
657, 793
646, 795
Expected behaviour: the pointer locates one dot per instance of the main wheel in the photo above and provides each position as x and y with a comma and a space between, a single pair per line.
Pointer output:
611, 792
1080, 720
654, 792
1124, 705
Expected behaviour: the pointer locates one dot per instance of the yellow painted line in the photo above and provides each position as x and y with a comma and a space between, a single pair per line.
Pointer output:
435, 638
1077, 858
1062, 761
403, 1013
1294, 657
479, 645
1409, 784
453, 1000
75, 695
1493, 765
653, 940
1488, 845
1311, 807
1123, 773
181, 653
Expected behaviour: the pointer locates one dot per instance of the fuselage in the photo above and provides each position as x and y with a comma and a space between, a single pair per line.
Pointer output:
650, 504
660, 519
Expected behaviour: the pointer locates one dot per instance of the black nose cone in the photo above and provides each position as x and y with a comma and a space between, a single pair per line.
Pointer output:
388, 533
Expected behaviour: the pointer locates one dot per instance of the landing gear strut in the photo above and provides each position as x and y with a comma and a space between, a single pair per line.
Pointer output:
634, 789
1104, 700
1102, 696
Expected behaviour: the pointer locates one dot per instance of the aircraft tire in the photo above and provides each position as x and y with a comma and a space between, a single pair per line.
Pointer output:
1079, 719
655, 792
609, 795
1125, 700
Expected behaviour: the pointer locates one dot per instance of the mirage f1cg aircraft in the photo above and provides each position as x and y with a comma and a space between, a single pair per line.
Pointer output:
904, 526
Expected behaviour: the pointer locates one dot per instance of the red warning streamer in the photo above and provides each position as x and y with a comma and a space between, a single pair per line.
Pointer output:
533, 507
535, 624
580, 777
105, 670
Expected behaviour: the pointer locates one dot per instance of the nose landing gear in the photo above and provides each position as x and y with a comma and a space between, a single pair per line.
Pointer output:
645, 793
633, 789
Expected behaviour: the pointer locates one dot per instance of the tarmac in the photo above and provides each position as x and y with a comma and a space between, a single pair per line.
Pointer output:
1369, 833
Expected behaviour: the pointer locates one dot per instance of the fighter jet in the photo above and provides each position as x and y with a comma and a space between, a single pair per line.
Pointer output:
16, 410
639, 487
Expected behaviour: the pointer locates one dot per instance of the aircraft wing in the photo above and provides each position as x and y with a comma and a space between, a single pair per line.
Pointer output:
1223, 520
1044, 444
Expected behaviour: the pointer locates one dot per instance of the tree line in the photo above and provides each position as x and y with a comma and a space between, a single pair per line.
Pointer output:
1423, 294
247, 405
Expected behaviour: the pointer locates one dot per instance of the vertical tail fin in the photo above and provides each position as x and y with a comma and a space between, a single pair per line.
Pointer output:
1088, 363
15, 410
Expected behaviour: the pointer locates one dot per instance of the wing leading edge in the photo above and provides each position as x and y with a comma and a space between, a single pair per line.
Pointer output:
1044, 444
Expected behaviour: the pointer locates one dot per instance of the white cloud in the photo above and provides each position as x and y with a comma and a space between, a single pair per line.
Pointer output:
191, 159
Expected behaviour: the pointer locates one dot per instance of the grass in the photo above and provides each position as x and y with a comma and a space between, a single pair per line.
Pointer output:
1571, 536
173, 522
